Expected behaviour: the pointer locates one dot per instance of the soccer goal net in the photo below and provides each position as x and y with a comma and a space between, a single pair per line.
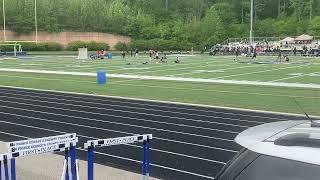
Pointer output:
10, 50
82, 53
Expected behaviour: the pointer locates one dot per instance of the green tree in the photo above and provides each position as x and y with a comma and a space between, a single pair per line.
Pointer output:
314, 27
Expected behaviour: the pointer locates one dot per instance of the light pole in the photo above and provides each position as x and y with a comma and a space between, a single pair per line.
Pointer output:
36, 19
4, 22
251, 24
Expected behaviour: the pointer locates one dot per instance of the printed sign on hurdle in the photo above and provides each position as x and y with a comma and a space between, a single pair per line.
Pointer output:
60, 143
145, 139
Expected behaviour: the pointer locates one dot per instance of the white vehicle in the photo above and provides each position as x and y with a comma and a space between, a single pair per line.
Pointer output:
288, 150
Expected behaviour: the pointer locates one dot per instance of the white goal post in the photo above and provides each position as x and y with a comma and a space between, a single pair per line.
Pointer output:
15, 48
4, 26
82, 53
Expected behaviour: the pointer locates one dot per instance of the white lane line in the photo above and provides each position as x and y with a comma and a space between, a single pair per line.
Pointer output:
159, 166
121, 132
163, 151
257, 72
15, 135
131, 107
73, 94
117, 116
123, 124
167, 152
128, 159
126, 117
140, 102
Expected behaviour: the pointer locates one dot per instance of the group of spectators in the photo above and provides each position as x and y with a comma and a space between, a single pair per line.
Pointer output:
266, 48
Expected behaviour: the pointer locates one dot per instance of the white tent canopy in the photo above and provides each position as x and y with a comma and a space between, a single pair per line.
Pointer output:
288, 40
304, 37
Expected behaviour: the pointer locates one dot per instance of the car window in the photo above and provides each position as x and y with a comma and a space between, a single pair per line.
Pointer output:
237, 164
272, 168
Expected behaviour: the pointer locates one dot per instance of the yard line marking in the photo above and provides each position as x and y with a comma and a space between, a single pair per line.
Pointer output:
144, 102
128, 159
164, 70
131, 107
292, 77
256, 72
217, 69
124, 124
126, 117
134, 65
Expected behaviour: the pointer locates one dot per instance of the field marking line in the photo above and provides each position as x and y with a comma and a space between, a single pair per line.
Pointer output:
146, 109
257, 72
292, 77
123, 124
216, 70
255, 83
220, 91
115, 131
124, 111
162, 101
63, 64
49, 79
160, 87
93, 64
175, 69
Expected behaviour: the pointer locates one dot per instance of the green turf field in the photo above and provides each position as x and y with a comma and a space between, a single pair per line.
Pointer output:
300, 70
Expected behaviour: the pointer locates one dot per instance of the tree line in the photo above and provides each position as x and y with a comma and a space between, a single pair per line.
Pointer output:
200, 22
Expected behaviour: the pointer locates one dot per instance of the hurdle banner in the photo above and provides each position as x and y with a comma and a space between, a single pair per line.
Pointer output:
92, 144
12, 146
60, 143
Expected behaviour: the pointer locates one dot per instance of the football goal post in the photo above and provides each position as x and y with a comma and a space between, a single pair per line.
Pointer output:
11, 23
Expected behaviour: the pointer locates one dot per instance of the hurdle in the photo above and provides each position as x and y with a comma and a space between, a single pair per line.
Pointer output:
145, 139
60, 143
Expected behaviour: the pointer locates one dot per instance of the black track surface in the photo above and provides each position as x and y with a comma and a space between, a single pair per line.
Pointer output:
189, 142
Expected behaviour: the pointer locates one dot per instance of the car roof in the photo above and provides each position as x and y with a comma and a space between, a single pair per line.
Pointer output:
263, 139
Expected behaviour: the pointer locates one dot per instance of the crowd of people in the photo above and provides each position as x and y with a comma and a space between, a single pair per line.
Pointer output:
266, 48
